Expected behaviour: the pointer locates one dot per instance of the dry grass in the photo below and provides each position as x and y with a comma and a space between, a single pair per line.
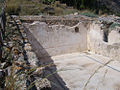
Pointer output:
25, 7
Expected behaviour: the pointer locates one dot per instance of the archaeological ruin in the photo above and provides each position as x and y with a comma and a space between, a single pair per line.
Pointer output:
85, 50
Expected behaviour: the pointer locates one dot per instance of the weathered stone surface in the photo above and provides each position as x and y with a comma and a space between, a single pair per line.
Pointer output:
32, 58
39, 70
42, 84
5, 65
97, 44
114, 36
28, 47
58, 39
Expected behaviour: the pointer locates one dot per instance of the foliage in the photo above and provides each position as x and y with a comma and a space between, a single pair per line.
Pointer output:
48, 1
13, 9
22, 7
31, 7
118, 14
80, 3
89, 14
114, 25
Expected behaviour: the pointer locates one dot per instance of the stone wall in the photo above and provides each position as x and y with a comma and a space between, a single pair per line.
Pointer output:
97, 44
61, 35
114, 36
59, 39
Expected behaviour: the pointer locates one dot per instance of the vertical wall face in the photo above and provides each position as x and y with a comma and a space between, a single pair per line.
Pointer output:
60, 39
114, 36
97, 44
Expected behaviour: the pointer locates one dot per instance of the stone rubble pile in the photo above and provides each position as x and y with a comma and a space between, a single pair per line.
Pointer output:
20, 60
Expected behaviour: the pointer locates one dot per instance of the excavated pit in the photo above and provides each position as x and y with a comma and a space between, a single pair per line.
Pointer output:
81, 57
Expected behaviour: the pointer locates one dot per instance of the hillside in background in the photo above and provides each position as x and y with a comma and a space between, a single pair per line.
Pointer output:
104, 5
62, 7
37, 7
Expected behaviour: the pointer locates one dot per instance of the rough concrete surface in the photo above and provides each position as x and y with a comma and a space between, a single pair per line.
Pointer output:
81, 71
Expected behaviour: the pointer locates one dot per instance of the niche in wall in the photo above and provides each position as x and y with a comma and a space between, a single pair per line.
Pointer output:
105, 35
76, 29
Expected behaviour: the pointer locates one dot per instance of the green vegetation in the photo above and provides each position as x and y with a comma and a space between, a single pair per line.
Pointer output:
92, 5
1, 1
19, 7
38, 7
53, 7
48, 1
89, 14
114, 25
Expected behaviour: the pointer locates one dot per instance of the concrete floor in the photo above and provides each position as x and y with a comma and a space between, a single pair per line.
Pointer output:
86, 71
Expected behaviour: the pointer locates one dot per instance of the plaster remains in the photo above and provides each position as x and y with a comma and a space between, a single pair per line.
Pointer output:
86, 51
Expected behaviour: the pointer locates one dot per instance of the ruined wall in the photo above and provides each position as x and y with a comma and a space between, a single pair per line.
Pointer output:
61, 35
114, 36
59, 39
97, 44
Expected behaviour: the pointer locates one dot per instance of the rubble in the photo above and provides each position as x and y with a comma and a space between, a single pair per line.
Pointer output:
22, 60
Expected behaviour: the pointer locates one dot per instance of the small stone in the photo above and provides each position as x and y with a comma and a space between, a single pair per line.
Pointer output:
7, 49
28, 47
39, 70
1, 73
76, 13
15, 38
24, 34
21, 59
21, 81
16, 51
18, 22
32, 58
21, 31
26, 40
19, 63
19, 68
10, 44
5, 43
2, 65
42, 83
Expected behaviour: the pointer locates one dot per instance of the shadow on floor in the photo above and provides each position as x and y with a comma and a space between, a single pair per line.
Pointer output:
50, 71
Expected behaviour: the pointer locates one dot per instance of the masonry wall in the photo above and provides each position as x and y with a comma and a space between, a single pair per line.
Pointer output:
59, 39
96, 43
114, 36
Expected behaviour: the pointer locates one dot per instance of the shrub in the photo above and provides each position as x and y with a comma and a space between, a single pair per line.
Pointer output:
58, 11
89, 14
13, 9
114, 25
118, 14
48, 1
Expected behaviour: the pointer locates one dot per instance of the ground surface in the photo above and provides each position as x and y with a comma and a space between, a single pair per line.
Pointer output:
85, 71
